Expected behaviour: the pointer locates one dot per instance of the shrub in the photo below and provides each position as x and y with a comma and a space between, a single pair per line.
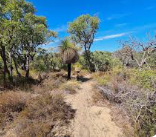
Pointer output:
11, 103
102, 78
53, 81
144, 78
102, 60
133, 90
43, 116
147, 121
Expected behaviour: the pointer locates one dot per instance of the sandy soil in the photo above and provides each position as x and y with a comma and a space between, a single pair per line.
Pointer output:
91, 121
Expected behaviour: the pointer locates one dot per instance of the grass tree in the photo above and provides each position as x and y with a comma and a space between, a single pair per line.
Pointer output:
69, 54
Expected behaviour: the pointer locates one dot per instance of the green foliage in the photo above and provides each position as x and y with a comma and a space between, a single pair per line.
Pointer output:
83, 31
84, 27
21, 33
1, 63
152, 60
102, 60
77, 66
144, 78
46, 60
102, 78
82, 62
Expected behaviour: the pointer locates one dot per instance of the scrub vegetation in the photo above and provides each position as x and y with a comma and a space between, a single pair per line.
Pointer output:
38, 87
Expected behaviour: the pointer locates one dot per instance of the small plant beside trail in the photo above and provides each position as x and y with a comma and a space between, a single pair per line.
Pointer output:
70, 87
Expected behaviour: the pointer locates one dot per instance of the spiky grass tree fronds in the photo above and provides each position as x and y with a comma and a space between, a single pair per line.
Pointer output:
68, 53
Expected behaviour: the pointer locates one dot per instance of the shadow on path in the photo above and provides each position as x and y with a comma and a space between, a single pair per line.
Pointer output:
83, 79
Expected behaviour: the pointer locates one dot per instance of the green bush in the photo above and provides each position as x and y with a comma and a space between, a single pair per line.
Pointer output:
46, 60
144, 78
102, 78
102, 60
82, 62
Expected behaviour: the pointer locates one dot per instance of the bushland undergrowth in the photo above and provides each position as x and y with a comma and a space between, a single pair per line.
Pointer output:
134, 92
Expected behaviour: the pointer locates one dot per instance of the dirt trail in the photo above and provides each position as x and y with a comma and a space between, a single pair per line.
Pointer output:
91, 121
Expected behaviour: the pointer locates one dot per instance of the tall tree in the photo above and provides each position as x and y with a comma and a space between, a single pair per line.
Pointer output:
69, 54
21, 31
34, 32
3, 18
83, 31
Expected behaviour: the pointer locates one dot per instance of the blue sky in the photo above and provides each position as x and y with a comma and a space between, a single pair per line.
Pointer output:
119, 18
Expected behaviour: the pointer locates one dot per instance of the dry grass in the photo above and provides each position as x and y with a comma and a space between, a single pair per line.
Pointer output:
70, 87
52, 82
40, 113
42, 116
11, 104
97, 96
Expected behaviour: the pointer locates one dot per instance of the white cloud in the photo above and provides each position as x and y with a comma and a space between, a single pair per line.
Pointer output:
52, 44
118, 16
111, 36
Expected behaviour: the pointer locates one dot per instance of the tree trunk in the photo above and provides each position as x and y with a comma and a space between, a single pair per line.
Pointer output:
10, 67
5, 68
88, 60
69, 71
16, 67
27, 67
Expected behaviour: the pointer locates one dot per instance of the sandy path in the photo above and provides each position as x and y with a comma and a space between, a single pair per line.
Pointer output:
91, 121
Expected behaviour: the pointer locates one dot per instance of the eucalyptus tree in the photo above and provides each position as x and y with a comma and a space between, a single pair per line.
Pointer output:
16, 10
3, 17
21, 31
33, 34
68, 53
83, 31
12, 14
